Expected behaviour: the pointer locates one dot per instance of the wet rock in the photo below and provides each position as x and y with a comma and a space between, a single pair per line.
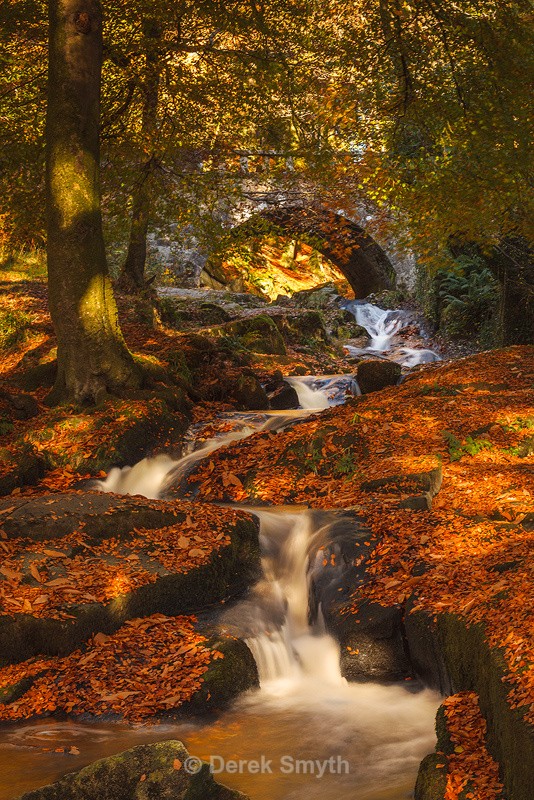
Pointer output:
376, 374
372, 642
247, 392
226, 678
453, 656
343, 326
432, 778
148, 772
371, 639
281, 395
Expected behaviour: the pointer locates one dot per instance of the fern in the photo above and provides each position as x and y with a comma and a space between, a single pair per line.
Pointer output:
468, 295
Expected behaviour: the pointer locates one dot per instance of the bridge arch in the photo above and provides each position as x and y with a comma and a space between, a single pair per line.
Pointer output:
343, 242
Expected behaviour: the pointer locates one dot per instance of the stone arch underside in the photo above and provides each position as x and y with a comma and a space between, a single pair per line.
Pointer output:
361, 260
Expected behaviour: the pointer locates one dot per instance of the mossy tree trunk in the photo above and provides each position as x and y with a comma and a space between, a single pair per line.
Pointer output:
133, 272
92, 356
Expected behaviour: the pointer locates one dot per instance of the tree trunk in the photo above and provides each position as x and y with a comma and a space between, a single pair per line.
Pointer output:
92, 356
133, 272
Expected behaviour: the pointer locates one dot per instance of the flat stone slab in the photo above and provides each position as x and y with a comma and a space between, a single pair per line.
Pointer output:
78, 563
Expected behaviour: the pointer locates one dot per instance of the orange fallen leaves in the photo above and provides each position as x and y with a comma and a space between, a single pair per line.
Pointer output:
149, 666
77, 569
476, 544
470, 767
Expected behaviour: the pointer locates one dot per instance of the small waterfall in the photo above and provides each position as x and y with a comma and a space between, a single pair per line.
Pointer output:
150, 477
288, 648
381, 325
145, 478
319, 392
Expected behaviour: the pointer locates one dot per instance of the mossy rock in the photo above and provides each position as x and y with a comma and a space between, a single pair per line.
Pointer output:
302, 327
22, 468
117, 433
10, 694
316, 298
432, 778
181, 314
458, 654
258, 334
248, 393
53, 515
474, 665
226, 678
147, 772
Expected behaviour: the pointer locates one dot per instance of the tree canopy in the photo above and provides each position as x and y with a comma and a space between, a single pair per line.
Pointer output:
417, 109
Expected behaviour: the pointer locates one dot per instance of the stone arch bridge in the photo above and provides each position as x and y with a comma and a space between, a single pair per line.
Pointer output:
368, 264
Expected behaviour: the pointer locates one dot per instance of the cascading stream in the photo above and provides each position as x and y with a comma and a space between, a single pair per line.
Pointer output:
382, 326
151, 477
375, 736
319, 392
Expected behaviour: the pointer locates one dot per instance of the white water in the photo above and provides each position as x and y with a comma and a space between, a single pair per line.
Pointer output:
381, 325
319, 392
286, 645
305, 710
320, 737
411, 356
380, 732
150, 477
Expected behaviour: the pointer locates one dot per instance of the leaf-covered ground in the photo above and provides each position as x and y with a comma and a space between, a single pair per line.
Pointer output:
473, 419
472, 773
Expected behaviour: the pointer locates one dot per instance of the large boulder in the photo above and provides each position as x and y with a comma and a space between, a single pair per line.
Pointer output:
281, 394
372, 643
147, 772
376, 374
256, 333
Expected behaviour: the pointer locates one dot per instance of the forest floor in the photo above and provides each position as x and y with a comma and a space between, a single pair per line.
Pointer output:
440, 467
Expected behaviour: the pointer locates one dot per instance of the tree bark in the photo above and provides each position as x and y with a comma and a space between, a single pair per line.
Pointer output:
92, 356
133, 272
